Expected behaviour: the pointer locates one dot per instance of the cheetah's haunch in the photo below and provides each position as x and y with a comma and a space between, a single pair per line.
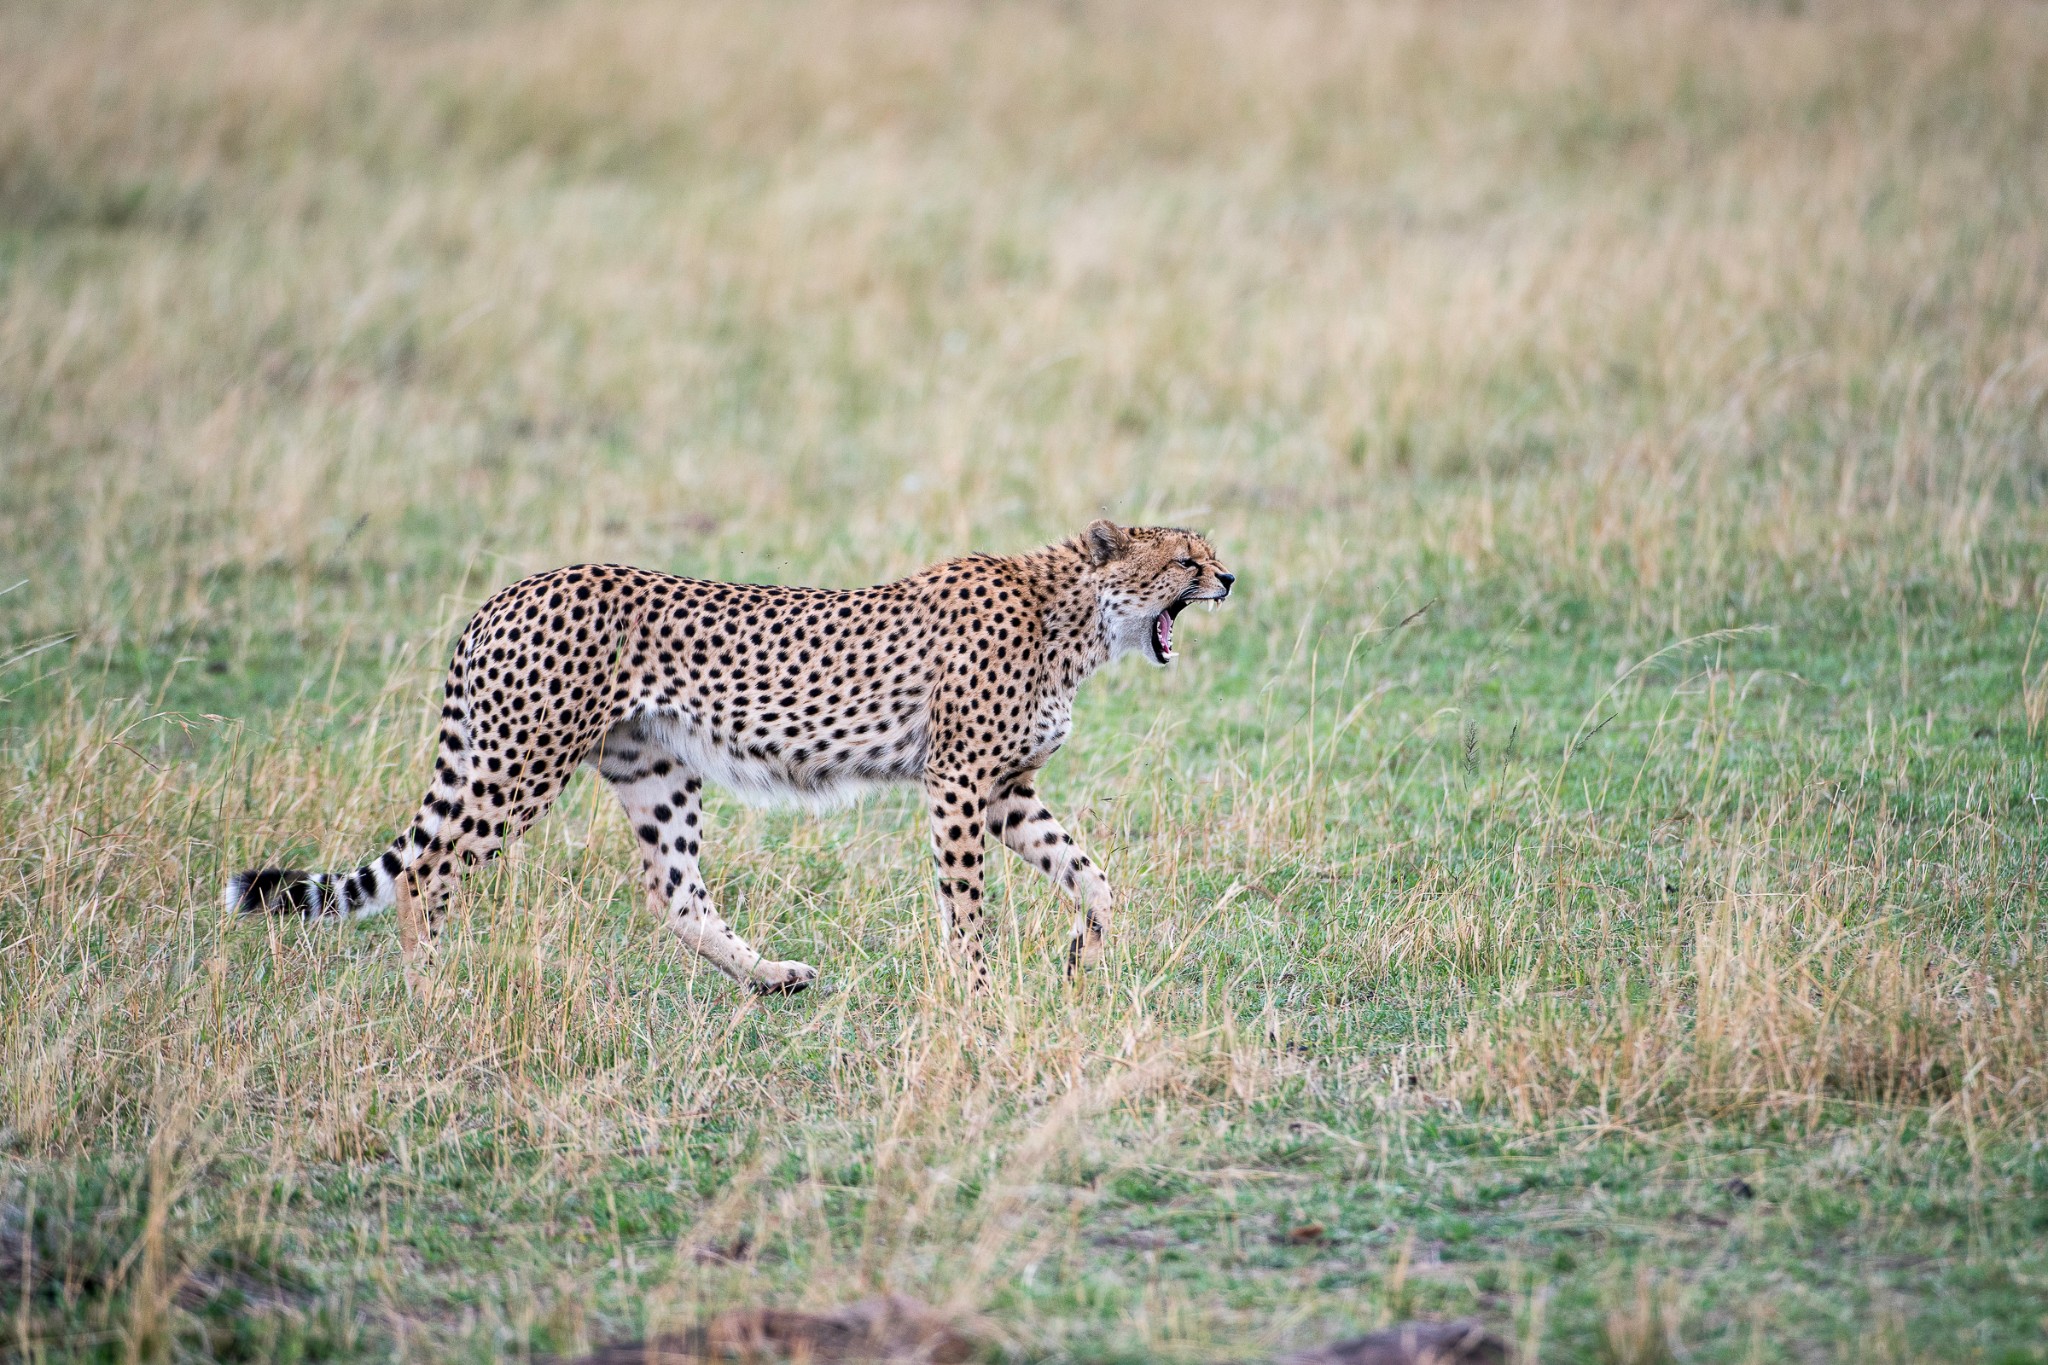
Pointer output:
960, 678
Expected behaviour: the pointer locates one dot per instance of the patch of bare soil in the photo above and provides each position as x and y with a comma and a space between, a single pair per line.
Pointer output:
898, 1329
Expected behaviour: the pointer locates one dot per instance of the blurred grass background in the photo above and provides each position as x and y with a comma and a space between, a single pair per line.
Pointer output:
1590, 875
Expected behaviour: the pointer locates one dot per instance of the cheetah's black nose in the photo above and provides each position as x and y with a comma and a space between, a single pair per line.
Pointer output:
1226, 579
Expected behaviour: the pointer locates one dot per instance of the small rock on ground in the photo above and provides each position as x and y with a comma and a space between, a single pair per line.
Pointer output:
890, 1328
1410, 1343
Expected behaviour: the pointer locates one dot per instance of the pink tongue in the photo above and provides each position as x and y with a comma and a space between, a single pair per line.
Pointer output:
1163, 627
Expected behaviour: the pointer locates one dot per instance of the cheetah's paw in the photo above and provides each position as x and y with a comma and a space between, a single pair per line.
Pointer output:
423, 984
782, 978
1084, 954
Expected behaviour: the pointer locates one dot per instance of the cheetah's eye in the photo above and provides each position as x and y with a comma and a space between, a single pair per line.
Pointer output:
1185, 562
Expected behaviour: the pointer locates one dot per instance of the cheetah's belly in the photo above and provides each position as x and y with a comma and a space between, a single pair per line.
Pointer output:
809, 768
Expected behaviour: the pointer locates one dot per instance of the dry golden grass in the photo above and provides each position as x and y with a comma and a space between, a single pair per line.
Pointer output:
1620, 776
1770, 1003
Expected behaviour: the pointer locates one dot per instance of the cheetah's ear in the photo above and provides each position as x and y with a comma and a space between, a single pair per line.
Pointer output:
1105, 541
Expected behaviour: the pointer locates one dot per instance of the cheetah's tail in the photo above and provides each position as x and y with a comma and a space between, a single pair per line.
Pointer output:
366, 891
373, 887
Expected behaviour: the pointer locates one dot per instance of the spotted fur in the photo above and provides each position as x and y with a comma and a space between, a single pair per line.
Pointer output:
960, 679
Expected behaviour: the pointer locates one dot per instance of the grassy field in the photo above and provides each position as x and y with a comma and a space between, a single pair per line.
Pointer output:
1589, 878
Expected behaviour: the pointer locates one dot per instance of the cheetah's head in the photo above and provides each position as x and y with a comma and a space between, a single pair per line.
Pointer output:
1145, 576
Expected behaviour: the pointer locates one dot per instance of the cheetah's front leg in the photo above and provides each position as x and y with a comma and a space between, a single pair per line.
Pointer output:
666, 811
1020, 820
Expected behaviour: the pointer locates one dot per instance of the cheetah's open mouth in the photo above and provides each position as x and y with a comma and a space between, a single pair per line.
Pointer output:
1162, 631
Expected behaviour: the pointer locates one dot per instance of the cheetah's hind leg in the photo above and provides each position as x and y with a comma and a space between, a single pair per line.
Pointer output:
664, 804
416, 944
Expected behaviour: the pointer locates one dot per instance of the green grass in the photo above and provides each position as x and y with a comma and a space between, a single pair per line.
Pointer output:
1591, 871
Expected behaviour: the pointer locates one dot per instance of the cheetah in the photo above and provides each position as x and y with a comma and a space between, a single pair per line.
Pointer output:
960, 679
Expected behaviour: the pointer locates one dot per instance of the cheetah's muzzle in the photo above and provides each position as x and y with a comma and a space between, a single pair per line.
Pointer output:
959, 679
1161, 638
